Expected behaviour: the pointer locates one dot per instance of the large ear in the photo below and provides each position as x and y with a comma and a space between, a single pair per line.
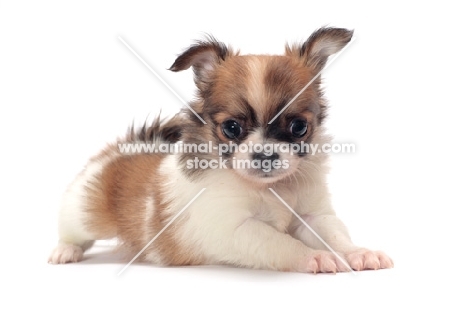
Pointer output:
203, 57
321, 44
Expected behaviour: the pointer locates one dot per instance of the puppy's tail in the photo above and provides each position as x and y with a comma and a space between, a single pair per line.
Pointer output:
167, 130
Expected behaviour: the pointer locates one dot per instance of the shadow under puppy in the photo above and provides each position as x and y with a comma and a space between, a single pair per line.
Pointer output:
237, 220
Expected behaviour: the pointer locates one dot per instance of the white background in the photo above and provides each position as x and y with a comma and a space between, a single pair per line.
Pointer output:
68, 86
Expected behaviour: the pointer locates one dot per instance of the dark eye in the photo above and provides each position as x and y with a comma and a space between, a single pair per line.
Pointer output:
298, 128
231, 129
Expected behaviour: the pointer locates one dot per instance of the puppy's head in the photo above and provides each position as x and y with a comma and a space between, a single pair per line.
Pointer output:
260, 100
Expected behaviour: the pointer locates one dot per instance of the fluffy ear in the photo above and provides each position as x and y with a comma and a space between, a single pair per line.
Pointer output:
321, 44
203, 57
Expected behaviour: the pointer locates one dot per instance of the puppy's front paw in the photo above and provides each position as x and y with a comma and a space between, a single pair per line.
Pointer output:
325, 262
65, 253
364, 259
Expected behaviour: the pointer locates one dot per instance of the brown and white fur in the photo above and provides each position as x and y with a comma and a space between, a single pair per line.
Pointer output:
237, 220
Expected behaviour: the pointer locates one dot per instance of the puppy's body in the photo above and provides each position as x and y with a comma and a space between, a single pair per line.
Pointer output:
237, 220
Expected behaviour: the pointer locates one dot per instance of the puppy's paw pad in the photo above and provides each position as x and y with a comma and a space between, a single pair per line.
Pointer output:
325, 262
65, 253
364, 259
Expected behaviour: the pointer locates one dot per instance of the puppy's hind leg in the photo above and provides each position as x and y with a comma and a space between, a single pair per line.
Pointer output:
74, 216
74, 239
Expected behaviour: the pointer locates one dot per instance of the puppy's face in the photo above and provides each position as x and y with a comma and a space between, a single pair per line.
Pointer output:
246, 94
257, 107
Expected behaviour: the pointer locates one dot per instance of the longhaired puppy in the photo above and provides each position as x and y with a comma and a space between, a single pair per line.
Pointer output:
256, 207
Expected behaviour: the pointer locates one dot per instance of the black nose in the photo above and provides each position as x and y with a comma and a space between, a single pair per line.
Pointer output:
262, 156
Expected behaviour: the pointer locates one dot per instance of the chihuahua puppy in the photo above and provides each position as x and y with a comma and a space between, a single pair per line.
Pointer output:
242, 216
